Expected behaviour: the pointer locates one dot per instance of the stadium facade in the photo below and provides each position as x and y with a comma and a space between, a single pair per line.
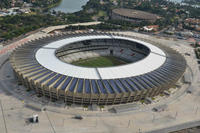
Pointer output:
44, 65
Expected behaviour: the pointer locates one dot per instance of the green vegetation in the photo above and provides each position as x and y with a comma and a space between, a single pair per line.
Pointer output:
101, 13
142, 101
13, 26
161, 94
45, 4
171, 14
102, 61
16, 25
101, 106
85, 106
197, 52
5, 4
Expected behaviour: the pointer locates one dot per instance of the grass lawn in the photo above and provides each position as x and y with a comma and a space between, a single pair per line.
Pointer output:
102, 61
101, 13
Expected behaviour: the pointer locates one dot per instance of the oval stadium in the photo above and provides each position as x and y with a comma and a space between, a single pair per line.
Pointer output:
96, 68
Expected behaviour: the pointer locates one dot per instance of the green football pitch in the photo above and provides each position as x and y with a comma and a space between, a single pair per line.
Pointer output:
102, 61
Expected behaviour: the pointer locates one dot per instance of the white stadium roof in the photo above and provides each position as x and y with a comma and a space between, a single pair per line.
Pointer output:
47, 58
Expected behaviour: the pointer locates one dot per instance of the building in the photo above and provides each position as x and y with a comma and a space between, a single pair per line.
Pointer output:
131, 15
45, 66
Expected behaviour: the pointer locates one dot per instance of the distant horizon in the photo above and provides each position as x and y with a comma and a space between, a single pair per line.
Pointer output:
71, 6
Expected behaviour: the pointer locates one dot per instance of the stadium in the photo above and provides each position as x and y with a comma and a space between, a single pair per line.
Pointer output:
96, 68
135, 16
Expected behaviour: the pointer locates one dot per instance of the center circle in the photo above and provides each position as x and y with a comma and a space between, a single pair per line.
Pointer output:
102, 52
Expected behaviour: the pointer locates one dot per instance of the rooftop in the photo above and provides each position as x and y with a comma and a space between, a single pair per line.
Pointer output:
46, 57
